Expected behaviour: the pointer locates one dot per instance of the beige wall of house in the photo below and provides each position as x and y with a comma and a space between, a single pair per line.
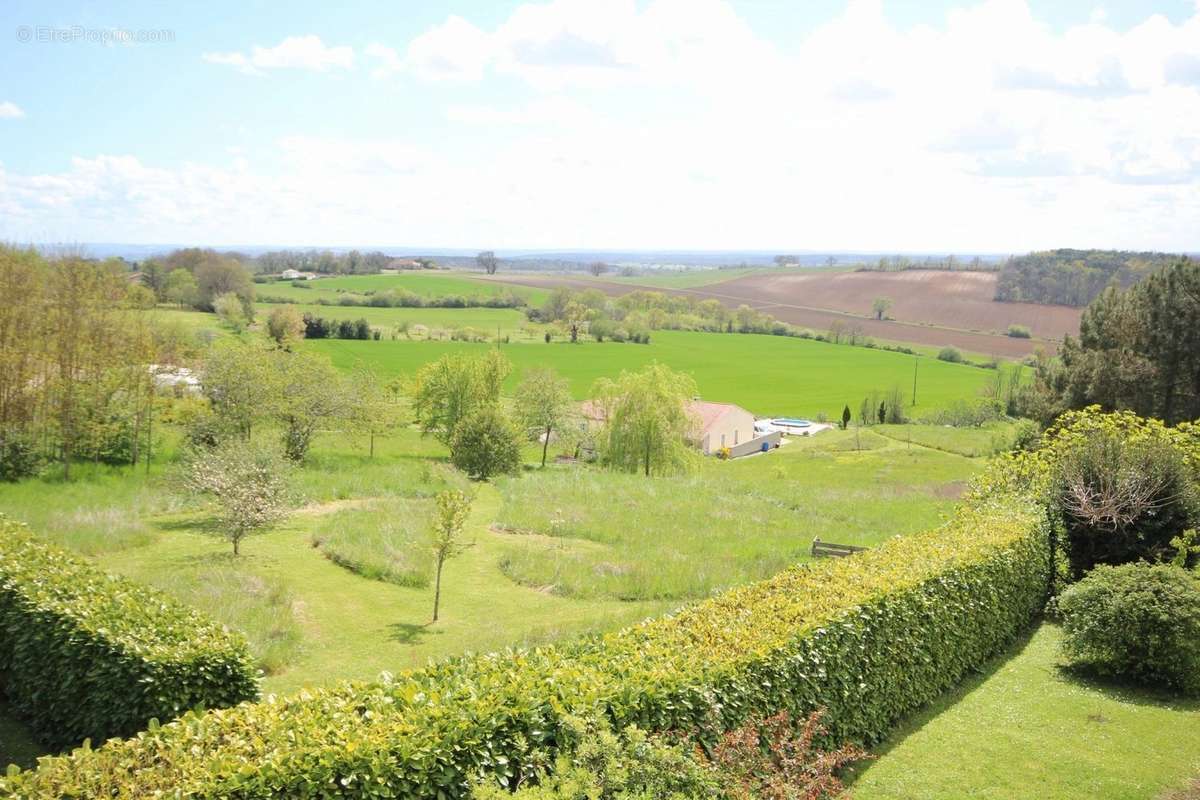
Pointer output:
733, 427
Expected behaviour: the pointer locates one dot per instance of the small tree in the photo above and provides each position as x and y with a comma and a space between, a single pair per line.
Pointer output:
180, 287
285, 325
543, 400
376, 408
229, 308
446, 539
486, 444
880, 306
247, 484
845, 417
487, 259
311, 393
597, 268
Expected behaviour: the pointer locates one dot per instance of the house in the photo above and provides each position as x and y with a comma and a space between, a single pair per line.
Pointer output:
718, 425
295, 275
721, 425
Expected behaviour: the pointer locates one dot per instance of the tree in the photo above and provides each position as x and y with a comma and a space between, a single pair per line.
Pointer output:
647, 419
247, 484
229, 309
845, 417
446, 537
180, 288
597, 268
880, 306
882, 411
488, 261
242, 384
786, 261
485, 443
543, 401
217, 275
446, 391
377, 410
285, 325
310, 393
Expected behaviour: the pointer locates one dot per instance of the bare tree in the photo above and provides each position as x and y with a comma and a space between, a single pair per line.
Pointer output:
597, 268
487, 259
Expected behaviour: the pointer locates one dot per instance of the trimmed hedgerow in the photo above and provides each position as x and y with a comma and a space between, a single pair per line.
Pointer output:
868, 638
86, 655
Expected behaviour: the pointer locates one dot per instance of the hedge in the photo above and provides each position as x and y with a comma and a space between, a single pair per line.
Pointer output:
870, 638
86, 655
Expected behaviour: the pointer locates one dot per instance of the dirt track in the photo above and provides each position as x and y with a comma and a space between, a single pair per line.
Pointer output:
929, 307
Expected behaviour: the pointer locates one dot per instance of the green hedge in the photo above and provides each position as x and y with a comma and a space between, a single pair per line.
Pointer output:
89, 655
871, 638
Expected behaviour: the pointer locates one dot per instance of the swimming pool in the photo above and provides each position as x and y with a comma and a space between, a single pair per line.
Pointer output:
792, 422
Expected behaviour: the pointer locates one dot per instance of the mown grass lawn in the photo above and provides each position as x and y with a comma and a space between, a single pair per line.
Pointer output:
1025, 729
768, 375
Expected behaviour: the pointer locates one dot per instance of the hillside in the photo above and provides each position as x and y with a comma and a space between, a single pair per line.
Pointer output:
1073, 277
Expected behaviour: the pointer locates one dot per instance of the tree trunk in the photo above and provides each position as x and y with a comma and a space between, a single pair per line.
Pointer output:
647, 457
545, 445
437, 589
236, 541
372, 445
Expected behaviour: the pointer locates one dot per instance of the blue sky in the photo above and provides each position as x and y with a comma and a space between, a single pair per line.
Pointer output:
998, 125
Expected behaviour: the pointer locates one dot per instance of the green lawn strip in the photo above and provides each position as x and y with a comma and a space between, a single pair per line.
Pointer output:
1026, 729
769, 375
356, 628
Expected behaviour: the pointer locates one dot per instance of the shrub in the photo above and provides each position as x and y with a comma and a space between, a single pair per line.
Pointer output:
89, 655
486, 444
1019, 332
951, 354
597, 764
1139, 622
769, 759
871, 638
20, 456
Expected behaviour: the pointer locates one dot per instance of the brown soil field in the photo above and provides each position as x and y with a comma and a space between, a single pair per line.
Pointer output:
929, 307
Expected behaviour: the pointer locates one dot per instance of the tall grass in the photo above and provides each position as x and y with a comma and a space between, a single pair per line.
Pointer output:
629, 537
262, 608
383, 541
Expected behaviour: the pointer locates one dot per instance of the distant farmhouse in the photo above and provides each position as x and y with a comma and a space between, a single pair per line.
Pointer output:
296, 275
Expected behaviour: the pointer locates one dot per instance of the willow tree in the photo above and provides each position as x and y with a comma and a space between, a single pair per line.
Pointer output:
647, 423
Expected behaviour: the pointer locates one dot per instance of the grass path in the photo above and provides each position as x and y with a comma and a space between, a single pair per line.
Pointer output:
1026, 729
357, 628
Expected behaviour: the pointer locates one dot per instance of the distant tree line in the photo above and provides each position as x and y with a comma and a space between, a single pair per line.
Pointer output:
1138, 349
195, 277
1073, 277
326, 262
901, 263
403, 298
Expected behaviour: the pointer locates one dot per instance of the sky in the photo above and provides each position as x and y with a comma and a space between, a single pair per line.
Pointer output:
926, 125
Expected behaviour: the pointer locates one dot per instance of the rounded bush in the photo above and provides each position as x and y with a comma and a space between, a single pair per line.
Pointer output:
1140, 622
951, 354
486, 444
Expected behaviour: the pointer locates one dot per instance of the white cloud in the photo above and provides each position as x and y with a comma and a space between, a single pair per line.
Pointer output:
672, 124
10, 110
294, 52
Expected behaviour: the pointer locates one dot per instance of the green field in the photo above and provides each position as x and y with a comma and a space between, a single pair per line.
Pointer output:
1027, 730
768, 375
426, 284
